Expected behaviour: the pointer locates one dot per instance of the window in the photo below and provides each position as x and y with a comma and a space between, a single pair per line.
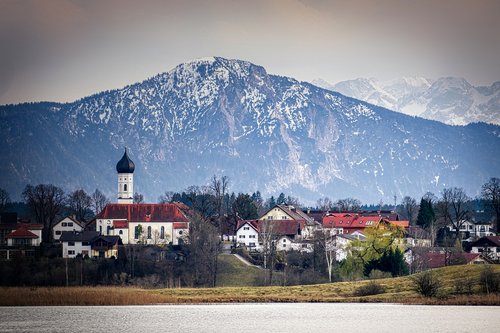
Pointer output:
120, 232
270, 217
284, 245
251, 244
251, 236
70, 224
108, 229
85, 253
162, 232
124, 187
283, 217
246, 228
284, 240
22, 241
71, 243
180, 232
58, 232
70, 252
242, 236
136, 232
85, 244
100, 229
64, 224
149, 232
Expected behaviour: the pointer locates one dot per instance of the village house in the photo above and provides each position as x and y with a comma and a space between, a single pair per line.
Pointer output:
69, 223
308, 226
488, 246
157, 224
89, 243
348, 223
18, 238
471, 229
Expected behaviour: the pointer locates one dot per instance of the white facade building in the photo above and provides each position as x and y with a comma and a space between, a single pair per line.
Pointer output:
125, 169
68, 223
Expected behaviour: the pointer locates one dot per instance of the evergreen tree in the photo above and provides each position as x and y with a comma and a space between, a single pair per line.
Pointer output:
426, 215
281, 199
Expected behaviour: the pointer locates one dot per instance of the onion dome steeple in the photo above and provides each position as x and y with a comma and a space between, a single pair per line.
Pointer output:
125, 165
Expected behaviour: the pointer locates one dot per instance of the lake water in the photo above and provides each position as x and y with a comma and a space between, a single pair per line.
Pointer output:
269, 317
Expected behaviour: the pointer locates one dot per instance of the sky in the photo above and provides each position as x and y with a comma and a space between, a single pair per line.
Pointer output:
62, 50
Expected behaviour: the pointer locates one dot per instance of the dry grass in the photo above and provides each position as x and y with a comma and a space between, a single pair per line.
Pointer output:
397, 290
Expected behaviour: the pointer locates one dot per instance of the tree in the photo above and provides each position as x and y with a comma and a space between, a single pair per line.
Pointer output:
80, 203
167, 197
99, 201
281, 199
348, 205
324, 204
410, 208
271, 202
4, 200
258, 202
244, 207
45, 202
490, 192
268, 234
381, 241
426, 215
138, 198
204, 248
328, 246
452, 208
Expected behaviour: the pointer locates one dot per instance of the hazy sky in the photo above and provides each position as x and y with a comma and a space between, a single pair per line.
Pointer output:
61, 50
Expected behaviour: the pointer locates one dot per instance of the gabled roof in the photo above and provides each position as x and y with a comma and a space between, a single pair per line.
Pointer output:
143, 213
21, 232
348, 220
110, 240
294, 212
81, 224
181, 225
488, 240
78, 236
278, 227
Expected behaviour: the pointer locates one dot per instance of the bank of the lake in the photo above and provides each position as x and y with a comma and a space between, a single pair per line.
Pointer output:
396, 290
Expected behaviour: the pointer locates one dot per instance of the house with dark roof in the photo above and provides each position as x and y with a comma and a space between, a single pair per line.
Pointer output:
89, 243
69, 223
488, 246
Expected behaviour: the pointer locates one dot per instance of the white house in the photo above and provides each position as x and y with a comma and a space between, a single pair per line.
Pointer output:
247, 234
69, 223
77, 243
25, 235
474, 229
488, 246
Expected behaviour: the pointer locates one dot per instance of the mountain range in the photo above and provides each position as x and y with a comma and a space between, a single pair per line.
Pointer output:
450, 100
271, 133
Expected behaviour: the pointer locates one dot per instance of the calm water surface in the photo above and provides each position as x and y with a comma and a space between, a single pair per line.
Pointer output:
273, 317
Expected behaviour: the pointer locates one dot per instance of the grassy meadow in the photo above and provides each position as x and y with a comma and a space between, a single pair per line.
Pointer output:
397, 290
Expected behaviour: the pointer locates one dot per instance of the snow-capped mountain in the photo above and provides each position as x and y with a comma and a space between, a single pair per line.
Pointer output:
230, 117
451, 100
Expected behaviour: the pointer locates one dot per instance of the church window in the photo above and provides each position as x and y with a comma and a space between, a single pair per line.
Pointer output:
162, 232
125, 187
136, 236
149, 232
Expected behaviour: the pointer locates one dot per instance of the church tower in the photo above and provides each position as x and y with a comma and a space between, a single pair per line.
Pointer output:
125, 168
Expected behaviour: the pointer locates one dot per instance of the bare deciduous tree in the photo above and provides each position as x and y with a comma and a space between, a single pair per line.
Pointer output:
138, 198
99, 201
45, 201
327, 242
80, 203
490, 192
325, 204
410, 209
348, 205
452, 208
4, 199
268, 234
166, 197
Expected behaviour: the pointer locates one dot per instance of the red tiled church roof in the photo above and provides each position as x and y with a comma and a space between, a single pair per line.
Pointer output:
143, 213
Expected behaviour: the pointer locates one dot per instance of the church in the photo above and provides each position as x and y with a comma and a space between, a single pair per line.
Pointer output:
154, 224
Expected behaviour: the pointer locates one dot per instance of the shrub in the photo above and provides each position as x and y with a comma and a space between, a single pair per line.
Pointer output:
489, 280
426, 284
464, 286
377, 274
371, 288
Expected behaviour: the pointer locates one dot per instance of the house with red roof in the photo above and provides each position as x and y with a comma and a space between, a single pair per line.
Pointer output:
18, 238
348, 223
